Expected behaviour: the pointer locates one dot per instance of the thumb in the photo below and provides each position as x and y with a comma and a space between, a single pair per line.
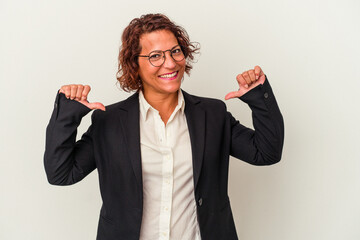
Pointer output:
95, 105
262, 79
234, 94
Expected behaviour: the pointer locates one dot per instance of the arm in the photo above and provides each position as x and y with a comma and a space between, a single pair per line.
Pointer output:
264, 145
67, 161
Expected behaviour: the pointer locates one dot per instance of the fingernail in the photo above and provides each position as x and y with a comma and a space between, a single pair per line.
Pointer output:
257, 77
247, 86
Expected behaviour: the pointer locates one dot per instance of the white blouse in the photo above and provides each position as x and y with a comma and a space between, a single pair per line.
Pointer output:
168, 187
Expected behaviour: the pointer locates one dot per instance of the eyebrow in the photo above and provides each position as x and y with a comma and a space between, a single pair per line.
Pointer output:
165, 50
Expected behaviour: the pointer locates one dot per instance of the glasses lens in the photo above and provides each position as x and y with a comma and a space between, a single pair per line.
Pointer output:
156, 58
177, 54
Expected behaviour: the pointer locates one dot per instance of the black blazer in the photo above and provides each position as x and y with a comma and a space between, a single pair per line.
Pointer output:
112, 145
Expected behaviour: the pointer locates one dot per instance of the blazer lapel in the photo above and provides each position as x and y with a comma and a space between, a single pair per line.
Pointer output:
195, 117
129, 115
129, 118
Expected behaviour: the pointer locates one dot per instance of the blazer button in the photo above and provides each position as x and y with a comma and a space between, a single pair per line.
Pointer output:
266, 95
200, 202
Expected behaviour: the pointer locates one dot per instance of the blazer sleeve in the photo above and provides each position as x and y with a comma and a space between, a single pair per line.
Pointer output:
262, 146
67, 161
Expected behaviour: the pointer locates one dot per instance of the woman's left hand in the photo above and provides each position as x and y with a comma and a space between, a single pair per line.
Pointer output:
247, 81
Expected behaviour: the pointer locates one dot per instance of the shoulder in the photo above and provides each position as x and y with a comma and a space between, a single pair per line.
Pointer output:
131, 102
204, 102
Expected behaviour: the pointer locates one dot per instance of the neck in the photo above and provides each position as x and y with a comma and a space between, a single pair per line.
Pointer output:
164, 103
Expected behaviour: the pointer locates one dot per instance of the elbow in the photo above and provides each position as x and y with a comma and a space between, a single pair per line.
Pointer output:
53, 182
57, 181
274, 155
266, 160
273, 160
57, 174
56, 178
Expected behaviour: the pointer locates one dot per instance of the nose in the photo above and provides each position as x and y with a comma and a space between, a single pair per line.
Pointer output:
169, 62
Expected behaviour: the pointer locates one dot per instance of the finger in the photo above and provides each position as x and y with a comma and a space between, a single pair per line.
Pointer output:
252, 75
85, 92
241, 80
67, 91
230, 95
258, 72
96, 105
262, 79
79, 91
73, 91
247, 78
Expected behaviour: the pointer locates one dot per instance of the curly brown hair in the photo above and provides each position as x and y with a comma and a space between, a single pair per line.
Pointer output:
128, 74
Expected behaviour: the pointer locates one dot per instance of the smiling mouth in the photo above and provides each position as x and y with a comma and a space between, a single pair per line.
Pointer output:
169, 76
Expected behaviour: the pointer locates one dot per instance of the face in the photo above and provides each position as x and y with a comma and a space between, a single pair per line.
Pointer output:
165, 79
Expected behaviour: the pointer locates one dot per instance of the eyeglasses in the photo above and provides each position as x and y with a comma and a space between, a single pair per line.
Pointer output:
157, 57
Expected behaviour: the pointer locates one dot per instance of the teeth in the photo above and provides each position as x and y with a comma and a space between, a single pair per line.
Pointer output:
169, 75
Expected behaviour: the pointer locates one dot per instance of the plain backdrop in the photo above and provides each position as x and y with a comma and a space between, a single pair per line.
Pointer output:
308, 49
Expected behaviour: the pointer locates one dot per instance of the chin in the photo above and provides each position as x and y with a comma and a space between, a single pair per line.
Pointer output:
172, 85
173, 89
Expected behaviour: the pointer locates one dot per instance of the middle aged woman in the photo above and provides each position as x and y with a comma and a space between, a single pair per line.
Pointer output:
162, 155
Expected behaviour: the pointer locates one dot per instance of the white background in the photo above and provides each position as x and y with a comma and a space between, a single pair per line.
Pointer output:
309, 50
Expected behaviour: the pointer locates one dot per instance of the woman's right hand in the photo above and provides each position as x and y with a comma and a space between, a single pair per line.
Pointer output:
79, 93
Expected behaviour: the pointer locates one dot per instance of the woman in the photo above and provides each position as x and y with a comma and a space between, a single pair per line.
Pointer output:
162, 155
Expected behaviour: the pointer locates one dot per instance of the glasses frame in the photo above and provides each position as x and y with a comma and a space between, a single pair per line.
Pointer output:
164, 56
